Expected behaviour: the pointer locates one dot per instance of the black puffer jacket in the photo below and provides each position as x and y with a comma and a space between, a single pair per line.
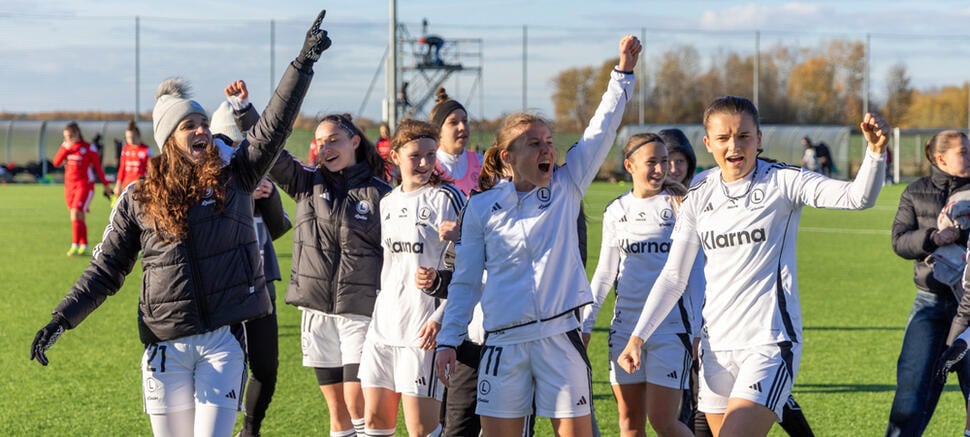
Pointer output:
337, 255
919, 206
214, 277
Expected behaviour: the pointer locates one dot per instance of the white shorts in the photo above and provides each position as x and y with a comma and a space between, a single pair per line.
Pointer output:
762, 374
204, 369
666, 362
401, 369
332, 340
552, 370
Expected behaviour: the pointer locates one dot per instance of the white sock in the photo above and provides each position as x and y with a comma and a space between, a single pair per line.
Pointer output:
378, 432
345, 433
358, 426
966, 433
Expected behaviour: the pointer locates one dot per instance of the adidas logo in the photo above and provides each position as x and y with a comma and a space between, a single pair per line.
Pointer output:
582, 401
232, 394
496, 207
623, 219
420, 381
709, 208
756, 387
672, 375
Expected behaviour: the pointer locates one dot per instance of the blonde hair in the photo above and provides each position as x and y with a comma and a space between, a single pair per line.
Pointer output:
493, 168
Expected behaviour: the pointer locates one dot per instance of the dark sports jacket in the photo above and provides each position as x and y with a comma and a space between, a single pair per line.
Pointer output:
212, 278
919, 206
337, 255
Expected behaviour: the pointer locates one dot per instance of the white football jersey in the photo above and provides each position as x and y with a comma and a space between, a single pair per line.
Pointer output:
635, 244
409, 237
747, 231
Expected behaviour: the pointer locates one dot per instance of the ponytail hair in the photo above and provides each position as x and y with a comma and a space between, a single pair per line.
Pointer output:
366, 151
493, 167
939, 143
409, 130
133, 127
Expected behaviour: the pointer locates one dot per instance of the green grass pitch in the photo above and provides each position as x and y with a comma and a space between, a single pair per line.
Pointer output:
856, 295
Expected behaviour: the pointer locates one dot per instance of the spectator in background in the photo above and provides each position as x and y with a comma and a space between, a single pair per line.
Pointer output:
824, 156
82, 164
809, 155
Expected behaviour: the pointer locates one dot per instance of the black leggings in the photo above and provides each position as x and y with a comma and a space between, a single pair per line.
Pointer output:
262, 343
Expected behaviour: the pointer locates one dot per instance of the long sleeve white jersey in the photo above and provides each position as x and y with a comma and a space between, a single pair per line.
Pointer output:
528, 243
747, 230
409, 237
635, 244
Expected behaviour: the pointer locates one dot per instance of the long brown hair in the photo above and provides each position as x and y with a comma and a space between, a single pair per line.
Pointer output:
409, 130
73, 127
173, 184
493, 168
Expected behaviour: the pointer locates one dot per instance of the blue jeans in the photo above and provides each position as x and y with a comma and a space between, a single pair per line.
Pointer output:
917, 388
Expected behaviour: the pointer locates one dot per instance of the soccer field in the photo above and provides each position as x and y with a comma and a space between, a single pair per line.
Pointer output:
856, 295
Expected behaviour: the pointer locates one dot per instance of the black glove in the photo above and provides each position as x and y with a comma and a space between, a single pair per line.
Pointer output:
951, 356
45, 338
315, 43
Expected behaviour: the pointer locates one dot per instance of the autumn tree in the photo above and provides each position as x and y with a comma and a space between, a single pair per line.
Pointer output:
899, 94
940, 108
572, 101
673, 98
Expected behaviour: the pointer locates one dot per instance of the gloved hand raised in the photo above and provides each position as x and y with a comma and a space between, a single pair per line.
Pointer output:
45, 338
315, 43
951, 356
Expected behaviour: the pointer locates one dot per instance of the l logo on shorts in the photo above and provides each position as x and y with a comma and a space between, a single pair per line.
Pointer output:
484, 387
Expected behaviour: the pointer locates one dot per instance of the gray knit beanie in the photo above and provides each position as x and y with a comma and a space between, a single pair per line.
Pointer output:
172, 104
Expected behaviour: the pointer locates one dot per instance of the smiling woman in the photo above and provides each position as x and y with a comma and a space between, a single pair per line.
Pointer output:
190, 222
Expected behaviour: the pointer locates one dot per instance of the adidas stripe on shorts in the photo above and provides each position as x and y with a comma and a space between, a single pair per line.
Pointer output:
208, 369
554, 369
666, 362
401, 369
761, 374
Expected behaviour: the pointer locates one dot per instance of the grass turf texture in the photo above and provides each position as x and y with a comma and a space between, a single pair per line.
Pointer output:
856, 295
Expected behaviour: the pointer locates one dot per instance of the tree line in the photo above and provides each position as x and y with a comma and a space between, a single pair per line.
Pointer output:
821, 85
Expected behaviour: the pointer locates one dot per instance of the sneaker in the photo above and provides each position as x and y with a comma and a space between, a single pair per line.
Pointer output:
82, 249
73, 251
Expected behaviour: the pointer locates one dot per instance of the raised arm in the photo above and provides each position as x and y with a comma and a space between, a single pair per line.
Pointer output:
862, 192
584, 158
266, 140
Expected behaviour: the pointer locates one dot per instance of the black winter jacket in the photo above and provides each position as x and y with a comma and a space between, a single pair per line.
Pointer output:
212, 278
337, 255
919, 206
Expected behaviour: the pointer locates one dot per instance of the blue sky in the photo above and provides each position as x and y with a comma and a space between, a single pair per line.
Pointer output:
74, 55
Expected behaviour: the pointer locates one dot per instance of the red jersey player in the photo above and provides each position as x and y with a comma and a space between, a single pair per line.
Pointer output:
78, 185
134, 159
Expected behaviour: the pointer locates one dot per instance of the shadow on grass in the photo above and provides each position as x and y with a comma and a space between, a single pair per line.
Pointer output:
854, 388
854, 328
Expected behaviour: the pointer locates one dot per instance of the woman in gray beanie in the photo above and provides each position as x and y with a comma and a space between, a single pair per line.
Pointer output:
191, 218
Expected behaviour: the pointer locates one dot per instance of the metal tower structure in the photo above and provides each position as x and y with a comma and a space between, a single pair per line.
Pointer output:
425, 63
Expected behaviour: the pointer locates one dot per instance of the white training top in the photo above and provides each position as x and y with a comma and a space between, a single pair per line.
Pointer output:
528, 243
409, 237
747, 230
636, 240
